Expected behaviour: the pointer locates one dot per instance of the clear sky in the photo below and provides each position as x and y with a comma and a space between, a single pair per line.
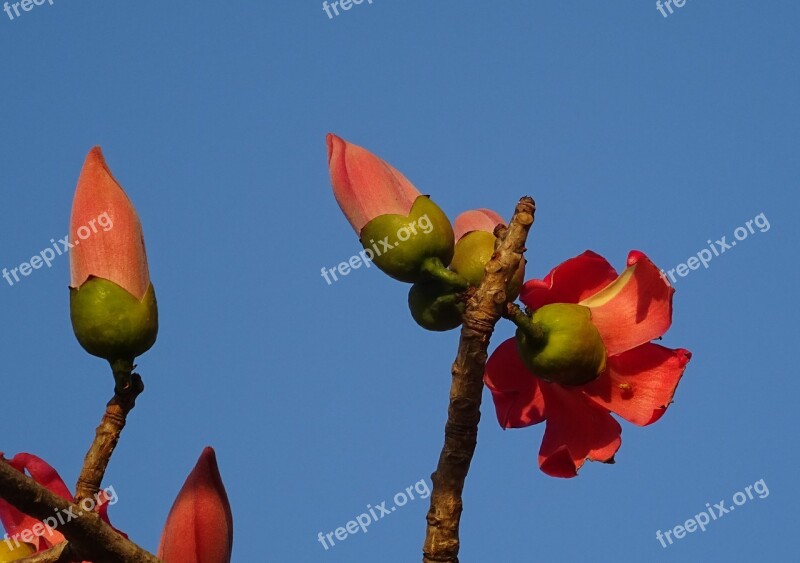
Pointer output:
630, 129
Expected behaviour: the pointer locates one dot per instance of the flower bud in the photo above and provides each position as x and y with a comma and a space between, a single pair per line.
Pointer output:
199, 527
435, 308
364, 185
475, 242
566, 348
112, 302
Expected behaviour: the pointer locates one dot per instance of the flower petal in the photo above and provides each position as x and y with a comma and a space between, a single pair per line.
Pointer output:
576, 430
517, 397
14, 521
199, 527
366, 186
639, 384
115, 251
570, 282
476, 220
636, 308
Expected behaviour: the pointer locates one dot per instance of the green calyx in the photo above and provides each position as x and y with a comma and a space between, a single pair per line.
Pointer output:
472, 252
401, 245
111, 323
435, 307
561, 344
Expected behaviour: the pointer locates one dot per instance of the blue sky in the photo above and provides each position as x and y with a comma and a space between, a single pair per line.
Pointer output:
631, 130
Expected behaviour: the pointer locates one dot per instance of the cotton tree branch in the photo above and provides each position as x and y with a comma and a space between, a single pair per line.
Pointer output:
90, 539
107, 435
485, 306
61, 553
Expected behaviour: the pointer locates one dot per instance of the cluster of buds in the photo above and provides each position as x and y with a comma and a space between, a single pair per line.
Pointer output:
441, 261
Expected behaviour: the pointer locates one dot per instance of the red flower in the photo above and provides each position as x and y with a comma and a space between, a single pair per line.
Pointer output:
199, 527
637, 382
43, 535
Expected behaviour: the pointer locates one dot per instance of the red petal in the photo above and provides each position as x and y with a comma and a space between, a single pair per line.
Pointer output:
105, 231
639, 384
14, 521
577, 430
569, 282
476, 220
517, 397
199, 527
366, 186
636, 308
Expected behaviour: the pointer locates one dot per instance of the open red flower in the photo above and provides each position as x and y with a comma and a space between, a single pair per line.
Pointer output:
638, 378
42, 535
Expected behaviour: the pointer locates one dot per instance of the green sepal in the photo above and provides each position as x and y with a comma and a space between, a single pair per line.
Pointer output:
111, 323
434, 307
562, 345
404, 260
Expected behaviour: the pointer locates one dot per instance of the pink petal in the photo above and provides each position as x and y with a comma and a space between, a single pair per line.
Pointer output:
105, 231
636, 308
516, 392
570, 281
639, 384
476, 220
366, 186
199, 527
576, 430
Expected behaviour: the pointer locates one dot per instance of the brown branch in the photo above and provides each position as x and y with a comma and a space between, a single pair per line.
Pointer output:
90, 539
60, 553
107, 435
485, 306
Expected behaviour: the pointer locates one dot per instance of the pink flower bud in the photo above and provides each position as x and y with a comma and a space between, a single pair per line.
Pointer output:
476, 220
105, 231
365, 186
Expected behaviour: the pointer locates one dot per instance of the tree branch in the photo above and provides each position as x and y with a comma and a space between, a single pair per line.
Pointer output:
106, 438
60, 553
485, 306
90, 539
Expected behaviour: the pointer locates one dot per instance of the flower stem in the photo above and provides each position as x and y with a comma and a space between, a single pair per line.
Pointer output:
436, 271
534, 331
